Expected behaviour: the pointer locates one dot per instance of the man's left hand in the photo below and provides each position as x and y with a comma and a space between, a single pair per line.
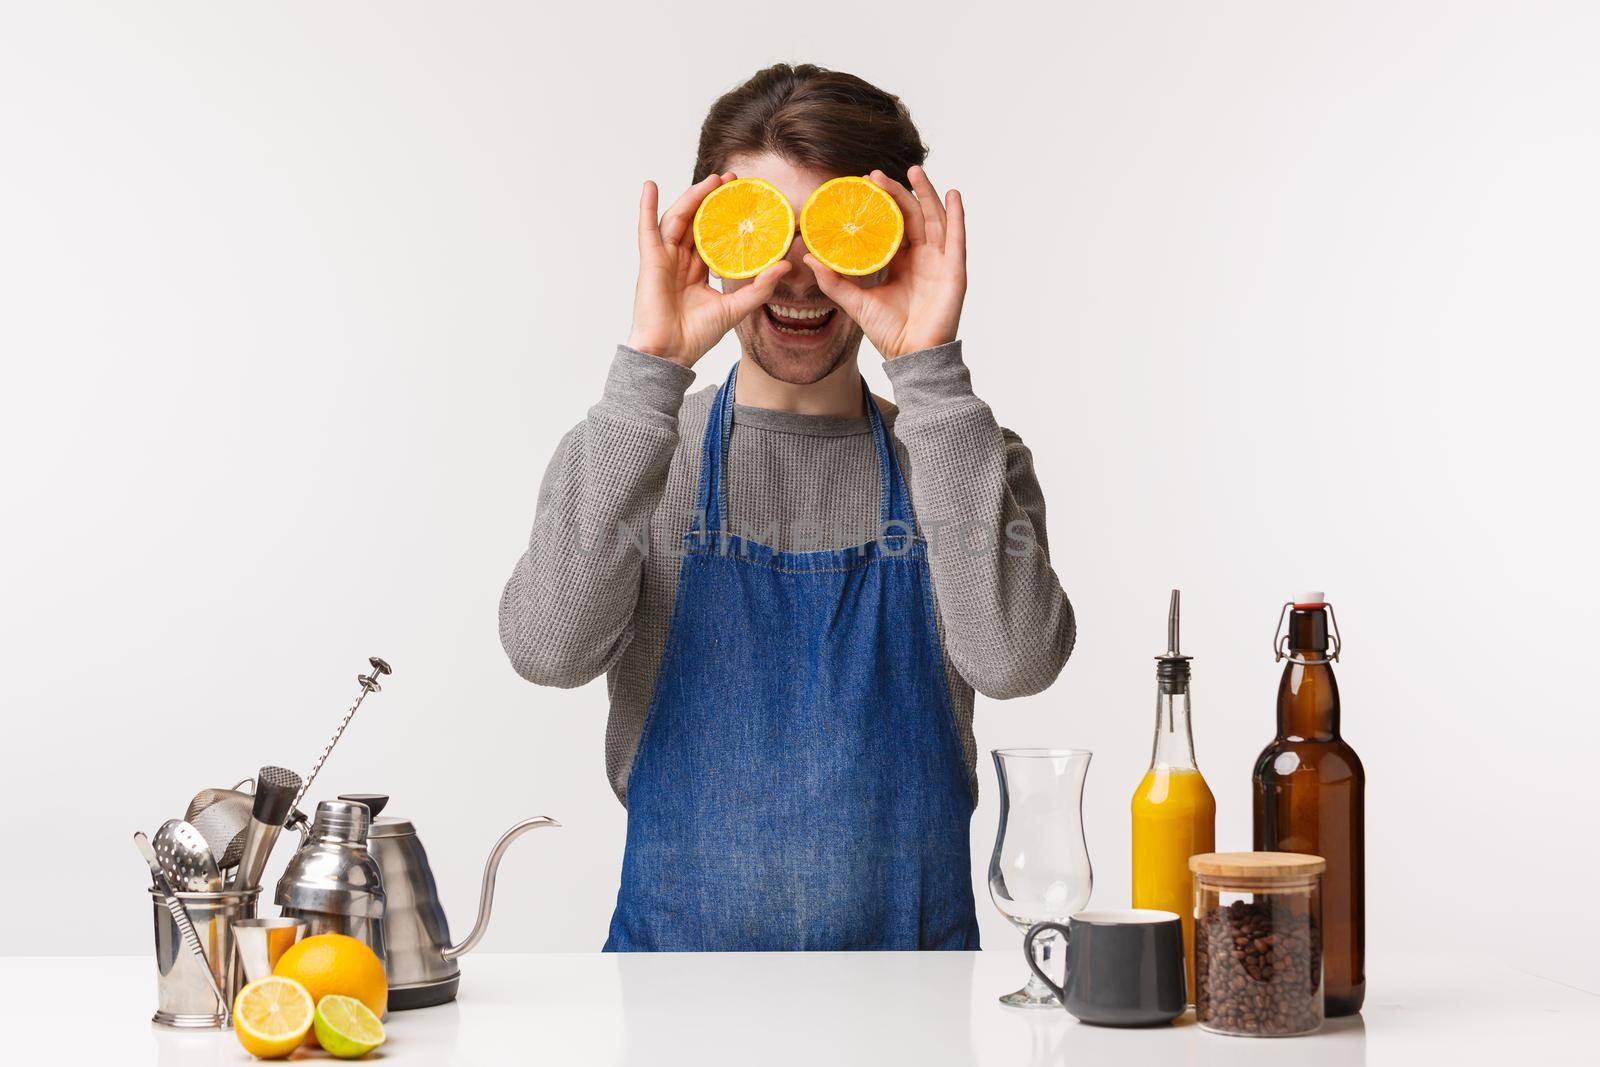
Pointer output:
919, 305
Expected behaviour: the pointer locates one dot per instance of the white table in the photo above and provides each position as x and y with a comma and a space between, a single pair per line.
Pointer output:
821, 1010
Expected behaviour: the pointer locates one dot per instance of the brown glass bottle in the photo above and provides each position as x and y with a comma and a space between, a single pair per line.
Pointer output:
1308, 797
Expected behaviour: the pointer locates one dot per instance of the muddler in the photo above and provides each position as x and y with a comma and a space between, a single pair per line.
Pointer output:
276, 788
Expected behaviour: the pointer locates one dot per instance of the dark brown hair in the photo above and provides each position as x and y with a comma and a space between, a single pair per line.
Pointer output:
812, 117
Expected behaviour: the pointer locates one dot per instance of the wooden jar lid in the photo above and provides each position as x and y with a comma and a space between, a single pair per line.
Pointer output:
1257, 864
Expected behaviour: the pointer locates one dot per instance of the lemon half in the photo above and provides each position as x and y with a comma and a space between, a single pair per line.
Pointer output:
271, 1017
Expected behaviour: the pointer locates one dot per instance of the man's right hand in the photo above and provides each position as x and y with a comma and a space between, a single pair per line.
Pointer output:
677, 315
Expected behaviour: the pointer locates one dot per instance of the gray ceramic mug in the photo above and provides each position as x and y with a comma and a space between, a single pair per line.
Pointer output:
1124, 968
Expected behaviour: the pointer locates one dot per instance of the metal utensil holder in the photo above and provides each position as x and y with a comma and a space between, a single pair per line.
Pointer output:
184, 998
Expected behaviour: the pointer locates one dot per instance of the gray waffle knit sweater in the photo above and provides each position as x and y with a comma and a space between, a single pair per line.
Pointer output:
594, 591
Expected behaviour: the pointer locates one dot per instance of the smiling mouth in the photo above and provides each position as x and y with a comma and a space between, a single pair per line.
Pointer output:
798, 321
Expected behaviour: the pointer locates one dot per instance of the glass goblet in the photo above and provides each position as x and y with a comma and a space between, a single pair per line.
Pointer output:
1040, 867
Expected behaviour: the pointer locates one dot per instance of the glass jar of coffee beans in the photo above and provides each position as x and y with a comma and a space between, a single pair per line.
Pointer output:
1258, 943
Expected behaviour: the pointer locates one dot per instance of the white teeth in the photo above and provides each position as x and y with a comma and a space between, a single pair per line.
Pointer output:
797, 313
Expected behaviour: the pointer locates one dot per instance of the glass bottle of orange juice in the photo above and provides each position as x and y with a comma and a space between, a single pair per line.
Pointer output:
1174, 813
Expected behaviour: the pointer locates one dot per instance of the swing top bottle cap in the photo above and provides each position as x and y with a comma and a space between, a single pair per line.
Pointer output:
1314, 599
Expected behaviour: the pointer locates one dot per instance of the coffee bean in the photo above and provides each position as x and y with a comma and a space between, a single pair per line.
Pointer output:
1258, 967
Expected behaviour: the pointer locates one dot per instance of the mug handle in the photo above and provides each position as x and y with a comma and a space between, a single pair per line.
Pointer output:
1033, 962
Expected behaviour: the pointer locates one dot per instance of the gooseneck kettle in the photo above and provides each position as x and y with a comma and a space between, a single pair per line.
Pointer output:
420, 958
369, 877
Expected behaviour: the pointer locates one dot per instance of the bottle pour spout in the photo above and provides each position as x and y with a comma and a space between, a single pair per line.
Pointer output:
1172, 625
1172, 668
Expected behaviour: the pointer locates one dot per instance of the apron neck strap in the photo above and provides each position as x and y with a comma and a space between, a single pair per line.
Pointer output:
711, 499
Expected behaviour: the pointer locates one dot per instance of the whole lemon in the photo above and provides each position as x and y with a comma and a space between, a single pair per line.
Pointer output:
339, 965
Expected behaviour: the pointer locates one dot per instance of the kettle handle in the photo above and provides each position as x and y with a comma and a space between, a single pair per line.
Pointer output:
486, 898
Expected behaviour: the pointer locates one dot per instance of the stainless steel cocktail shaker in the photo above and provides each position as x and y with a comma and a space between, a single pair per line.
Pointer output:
332, 883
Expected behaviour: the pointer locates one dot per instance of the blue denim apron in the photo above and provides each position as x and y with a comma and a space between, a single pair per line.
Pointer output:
798, 783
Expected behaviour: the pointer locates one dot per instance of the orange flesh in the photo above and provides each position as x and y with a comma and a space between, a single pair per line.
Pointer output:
743, 227
854, 227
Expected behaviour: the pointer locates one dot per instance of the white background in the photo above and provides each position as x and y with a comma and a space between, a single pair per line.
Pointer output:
297, 300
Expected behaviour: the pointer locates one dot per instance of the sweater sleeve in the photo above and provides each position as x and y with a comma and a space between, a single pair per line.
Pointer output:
566, 613
1009, 626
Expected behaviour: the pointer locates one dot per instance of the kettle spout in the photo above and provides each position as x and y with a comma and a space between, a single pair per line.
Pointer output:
486, 898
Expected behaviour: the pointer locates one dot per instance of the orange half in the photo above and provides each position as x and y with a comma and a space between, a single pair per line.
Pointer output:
852, 225
743, 227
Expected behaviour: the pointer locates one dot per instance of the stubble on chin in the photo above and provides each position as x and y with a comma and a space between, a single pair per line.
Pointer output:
806, 371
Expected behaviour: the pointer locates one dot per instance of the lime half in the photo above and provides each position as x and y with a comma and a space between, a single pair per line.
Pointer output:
346, 1027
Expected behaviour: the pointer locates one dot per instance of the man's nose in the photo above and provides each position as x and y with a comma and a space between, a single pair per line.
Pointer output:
800, 278
797, 254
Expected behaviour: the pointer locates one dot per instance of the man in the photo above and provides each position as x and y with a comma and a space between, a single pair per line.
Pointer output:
793, 588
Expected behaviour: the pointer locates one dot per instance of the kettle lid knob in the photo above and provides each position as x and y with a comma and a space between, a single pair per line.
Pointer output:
375, 802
